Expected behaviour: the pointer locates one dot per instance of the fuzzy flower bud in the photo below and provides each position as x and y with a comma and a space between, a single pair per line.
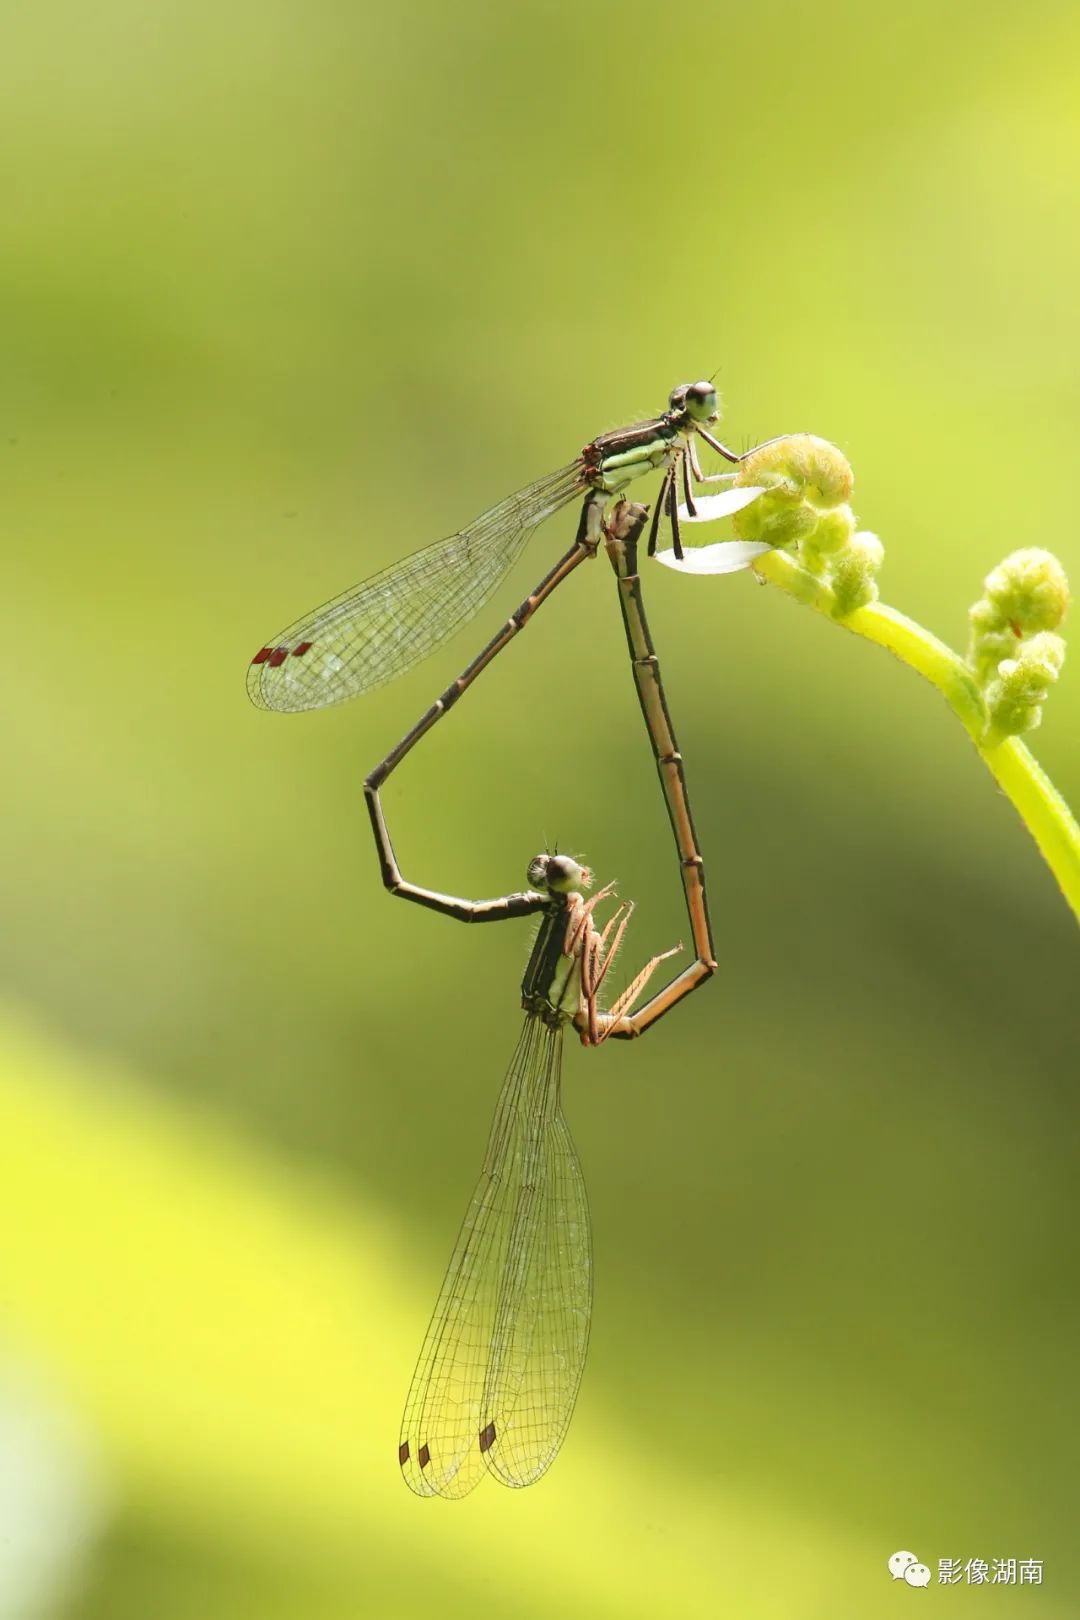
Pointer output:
800, 468
1029, 590
823, 545
833, 531
1026, 594
775, 519
1014, 700
854, 573
807, 483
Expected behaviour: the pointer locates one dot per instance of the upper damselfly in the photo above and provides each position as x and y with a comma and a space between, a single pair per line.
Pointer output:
379, 629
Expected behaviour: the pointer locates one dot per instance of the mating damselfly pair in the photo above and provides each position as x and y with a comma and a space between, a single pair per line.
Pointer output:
500, 1367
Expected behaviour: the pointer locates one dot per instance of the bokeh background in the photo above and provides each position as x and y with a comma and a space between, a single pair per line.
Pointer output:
288, 291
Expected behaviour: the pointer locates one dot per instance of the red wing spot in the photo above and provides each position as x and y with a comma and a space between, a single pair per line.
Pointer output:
403, 1453
423, 1456
298, 652
487, 1437
262, 655
278, 656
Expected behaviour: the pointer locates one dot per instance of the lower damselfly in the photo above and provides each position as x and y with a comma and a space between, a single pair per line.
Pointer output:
498, 1375
380, 628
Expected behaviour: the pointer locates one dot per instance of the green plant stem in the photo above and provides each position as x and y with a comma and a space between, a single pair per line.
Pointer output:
1043, 810
1018, 774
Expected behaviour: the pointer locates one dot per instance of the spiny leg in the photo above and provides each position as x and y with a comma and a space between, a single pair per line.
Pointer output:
603, 1025
658, 509
579, 918
688, 498
602, 938
673, 515
595, 964
603, 957
637, 984
731, 455
700, 477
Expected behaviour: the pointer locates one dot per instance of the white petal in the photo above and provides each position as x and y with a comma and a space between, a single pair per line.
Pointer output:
710, 507
726, 558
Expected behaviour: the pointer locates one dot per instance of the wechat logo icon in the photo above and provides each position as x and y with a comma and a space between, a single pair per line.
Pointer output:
904, 1566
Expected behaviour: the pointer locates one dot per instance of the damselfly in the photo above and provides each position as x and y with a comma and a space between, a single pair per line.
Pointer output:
498, 1375
377, 630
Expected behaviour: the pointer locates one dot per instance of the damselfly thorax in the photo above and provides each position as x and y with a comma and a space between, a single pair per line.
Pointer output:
571, 956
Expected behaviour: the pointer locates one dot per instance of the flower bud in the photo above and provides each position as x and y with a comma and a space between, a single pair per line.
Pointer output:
1026, 594
1029, 591
832, 531
806, 483
992, 639
801, 467
1014, 700
775, 520
854, 573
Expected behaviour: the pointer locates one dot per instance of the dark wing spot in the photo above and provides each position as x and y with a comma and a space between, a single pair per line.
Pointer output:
278, 656
487, 1437
423, 1456
403, 1453
298, 652
262, 655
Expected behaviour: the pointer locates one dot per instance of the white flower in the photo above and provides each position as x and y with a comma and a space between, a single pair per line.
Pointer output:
708, 508
728, 556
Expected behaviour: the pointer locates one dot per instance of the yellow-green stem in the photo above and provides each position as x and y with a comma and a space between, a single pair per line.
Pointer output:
1039, 804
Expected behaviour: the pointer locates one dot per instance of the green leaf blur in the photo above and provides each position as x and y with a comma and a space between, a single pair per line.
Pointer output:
290, 291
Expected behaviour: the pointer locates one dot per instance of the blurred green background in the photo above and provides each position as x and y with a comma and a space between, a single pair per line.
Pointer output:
288, 291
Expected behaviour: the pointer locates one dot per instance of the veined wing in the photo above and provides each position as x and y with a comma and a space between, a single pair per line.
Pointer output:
382, 627
545, 1305
499, 1371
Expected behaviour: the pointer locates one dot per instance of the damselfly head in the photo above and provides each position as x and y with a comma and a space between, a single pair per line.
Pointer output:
558, 874
697, 400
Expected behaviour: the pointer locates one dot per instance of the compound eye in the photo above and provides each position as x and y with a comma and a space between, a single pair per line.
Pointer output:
565, 876
538, 871
700, 403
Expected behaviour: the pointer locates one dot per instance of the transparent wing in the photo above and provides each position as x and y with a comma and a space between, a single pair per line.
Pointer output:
499, 1371
545, 1307
380, 628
